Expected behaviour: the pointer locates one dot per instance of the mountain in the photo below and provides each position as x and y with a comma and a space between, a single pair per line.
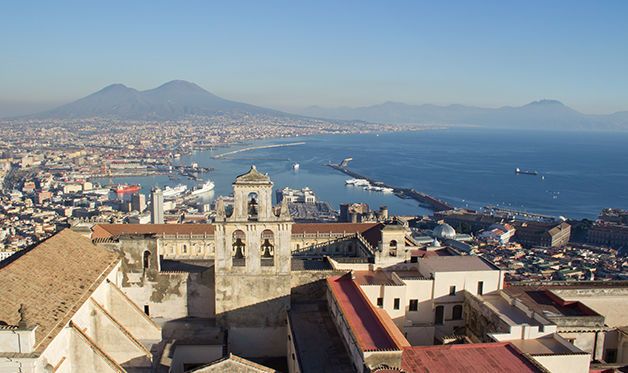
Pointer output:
542, 114
171, 101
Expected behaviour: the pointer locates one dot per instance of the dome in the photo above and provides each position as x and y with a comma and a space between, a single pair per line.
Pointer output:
445, 231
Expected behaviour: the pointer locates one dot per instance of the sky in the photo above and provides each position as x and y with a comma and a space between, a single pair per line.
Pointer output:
289, 54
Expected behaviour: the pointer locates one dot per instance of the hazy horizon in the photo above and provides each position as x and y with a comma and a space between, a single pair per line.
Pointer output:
284, 55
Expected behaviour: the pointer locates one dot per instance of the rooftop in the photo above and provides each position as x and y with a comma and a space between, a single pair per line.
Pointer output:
467, 358
315, 336
51, 281
114, 230
253, 177
457, 264
542, 300
372, 327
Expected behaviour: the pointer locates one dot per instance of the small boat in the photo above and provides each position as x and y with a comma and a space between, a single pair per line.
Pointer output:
519, 171
295, 166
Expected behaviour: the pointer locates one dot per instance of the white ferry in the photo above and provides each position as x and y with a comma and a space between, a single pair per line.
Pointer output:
207, 187
173, 192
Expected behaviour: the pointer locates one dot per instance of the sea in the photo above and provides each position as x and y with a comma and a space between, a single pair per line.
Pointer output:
579, 173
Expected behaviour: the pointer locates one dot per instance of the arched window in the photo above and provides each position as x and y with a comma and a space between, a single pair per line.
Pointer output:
439, 315
252, 207
146, 259
185, 249
392, 248
456, 313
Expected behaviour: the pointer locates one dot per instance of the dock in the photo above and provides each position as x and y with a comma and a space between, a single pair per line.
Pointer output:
424, 199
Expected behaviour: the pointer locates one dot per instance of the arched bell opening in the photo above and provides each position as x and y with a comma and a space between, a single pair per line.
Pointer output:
239, 248
252, 207
267, 248
392, 248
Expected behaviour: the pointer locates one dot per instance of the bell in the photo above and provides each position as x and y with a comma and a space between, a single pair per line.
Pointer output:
266, 247
253, 207
238, 245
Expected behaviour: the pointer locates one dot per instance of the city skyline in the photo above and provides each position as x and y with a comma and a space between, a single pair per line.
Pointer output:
327, 54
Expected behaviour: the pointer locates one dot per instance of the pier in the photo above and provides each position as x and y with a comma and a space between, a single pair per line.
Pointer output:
222, 155
424, 199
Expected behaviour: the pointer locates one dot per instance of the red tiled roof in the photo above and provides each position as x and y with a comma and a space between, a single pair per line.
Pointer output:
373, 330
333, 227
466, 358
114, 230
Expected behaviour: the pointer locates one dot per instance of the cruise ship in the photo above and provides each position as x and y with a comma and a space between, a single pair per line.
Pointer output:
206, 187
173, 192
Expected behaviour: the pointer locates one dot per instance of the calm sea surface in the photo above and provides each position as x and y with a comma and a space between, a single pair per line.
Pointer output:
579, 173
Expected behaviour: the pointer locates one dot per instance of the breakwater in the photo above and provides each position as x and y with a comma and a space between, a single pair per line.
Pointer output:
424, 199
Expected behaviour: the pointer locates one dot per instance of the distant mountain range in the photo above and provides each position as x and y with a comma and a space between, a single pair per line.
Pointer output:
171, 101
179, 99
543, 114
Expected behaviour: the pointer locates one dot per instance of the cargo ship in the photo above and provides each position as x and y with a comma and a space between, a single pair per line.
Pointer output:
207, 187
519, 171
126, 189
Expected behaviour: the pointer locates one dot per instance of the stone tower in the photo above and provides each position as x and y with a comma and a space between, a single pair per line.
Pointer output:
157, 206
253, 261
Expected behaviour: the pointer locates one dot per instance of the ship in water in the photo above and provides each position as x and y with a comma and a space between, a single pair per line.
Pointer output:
206, 187
357, 182
295, 166
519, 171
173, 192
126, 189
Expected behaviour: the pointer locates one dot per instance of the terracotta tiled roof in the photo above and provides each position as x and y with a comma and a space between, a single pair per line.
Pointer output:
372, 327
348, 228
50, 282
467, 358
114, 230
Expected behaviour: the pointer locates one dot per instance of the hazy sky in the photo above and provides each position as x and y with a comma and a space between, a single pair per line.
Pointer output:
330, 53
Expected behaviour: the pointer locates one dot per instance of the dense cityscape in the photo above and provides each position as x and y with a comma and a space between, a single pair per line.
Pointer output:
313, 187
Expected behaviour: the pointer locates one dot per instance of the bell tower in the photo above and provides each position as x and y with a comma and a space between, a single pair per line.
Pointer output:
253, 258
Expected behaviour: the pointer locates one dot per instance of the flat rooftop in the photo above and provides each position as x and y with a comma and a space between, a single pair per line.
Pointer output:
542, 300
511, 312
457, 264
318, 344
467, 358
543, 345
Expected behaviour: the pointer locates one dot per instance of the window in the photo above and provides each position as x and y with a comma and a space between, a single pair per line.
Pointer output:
396, 303
146, 310
438, 317
456, 313
452, 290
414, 259
146, 259
480, 287
414, 305
380, 302
185, 249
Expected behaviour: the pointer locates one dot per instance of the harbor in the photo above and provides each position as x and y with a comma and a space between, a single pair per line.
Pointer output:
424, 199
